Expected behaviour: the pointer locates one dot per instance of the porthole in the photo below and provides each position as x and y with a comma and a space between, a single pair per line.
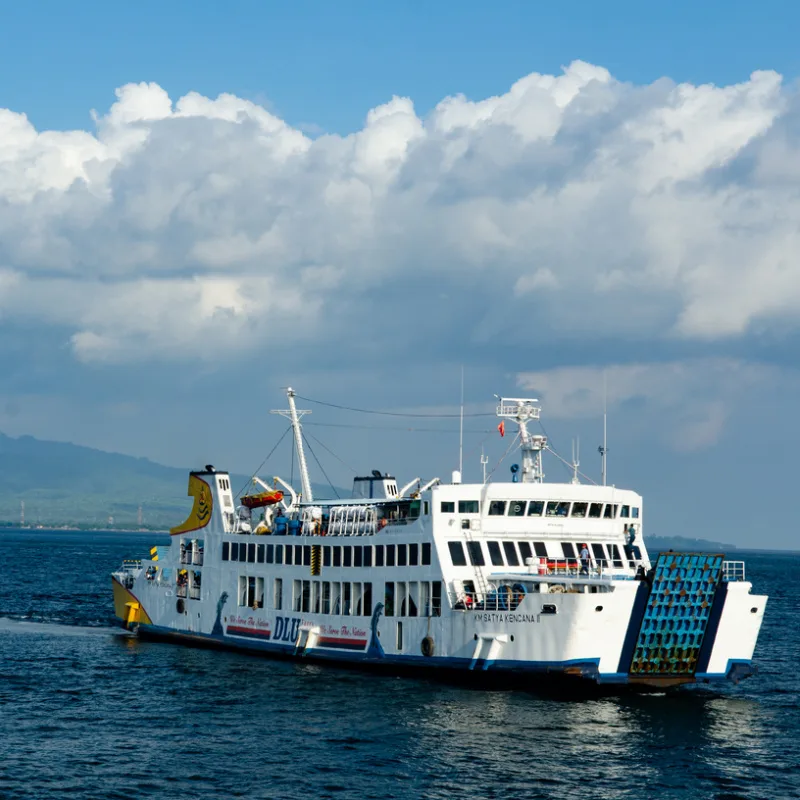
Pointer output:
598, 608
512, 637
754, 610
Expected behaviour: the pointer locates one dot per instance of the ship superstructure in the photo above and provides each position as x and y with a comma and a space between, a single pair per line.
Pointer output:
517, 580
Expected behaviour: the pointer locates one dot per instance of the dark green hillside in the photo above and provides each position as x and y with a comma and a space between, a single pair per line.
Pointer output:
66, 484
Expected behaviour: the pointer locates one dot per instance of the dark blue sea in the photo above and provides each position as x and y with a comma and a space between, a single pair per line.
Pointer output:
87, 712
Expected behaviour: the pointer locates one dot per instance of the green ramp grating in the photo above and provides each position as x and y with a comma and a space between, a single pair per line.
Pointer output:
677, 613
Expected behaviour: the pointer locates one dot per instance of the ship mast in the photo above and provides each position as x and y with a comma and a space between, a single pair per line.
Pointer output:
522, 411
294, 415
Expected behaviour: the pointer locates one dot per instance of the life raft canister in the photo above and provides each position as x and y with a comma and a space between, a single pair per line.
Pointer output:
427, 646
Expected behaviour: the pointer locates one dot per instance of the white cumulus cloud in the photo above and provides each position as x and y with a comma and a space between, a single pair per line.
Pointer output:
569, 205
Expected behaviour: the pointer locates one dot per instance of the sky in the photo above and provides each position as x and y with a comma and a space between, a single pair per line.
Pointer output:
204, 203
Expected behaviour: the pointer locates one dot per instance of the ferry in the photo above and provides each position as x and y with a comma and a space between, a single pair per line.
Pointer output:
516, 582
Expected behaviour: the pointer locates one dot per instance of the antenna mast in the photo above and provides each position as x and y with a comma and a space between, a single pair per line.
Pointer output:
576, 455
484, 462
523, 410
603, 449
461, 429
294, 415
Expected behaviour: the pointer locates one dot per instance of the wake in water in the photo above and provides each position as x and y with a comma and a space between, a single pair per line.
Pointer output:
16, 624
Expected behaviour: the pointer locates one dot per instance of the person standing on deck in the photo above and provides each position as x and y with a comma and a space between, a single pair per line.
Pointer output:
584, 559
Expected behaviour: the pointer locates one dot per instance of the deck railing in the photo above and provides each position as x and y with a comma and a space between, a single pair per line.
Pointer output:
733, 571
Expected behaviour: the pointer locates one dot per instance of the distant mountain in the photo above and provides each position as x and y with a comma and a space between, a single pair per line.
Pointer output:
685, 545
67, 484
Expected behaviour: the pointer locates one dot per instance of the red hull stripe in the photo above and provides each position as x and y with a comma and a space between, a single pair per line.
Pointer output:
253, 633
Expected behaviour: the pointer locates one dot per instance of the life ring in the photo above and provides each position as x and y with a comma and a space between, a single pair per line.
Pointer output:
427, 646
557, 589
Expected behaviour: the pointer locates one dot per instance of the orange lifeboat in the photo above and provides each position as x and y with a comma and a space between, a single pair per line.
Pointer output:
262, 499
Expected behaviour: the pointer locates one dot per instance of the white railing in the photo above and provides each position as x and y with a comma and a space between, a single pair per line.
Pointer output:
733, 570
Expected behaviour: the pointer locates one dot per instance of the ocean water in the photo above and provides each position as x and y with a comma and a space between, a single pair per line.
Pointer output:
88, 712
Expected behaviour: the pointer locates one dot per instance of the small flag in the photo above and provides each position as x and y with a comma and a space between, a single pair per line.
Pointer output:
502, 427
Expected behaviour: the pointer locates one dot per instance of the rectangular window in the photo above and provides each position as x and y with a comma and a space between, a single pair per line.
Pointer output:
626, 512
525, 552
279, 554
611, 511
368, 556
298, 555
436, 598
336, 597
579, 509
259, 593
337, 556
512, 559
260, 554
347, 561
448, 508
469, 507
390, 555
356, 602
315, 597
251, 592
226, 547
457, 554
552, 508
251, 553
540, 549
535, 508
297, 595
413, 597
569, 549
399, 641
426, 554
413, 555
367, 604
242, 590
495, 556
615, 554
595, 510
426, 508
306, 606
378, 555
516, 508
402, 556
326, 556
388, 599
497, 508
234, 551
475, 554
270, 553
598, 552
326, 597
635, 512
288, 551
306, 555
358, 557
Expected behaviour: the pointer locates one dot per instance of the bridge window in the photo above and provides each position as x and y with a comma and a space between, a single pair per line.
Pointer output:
511, 554
557, 508
516, 508
579, 509
615, 554
569, 549
469, 507
535, 508
525, 552
426, 553
635, 512
457, 554
448, 508
611, 511
626, 512
595, 510
497, 508
495, 556
540, 549
413, 555
475, 554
